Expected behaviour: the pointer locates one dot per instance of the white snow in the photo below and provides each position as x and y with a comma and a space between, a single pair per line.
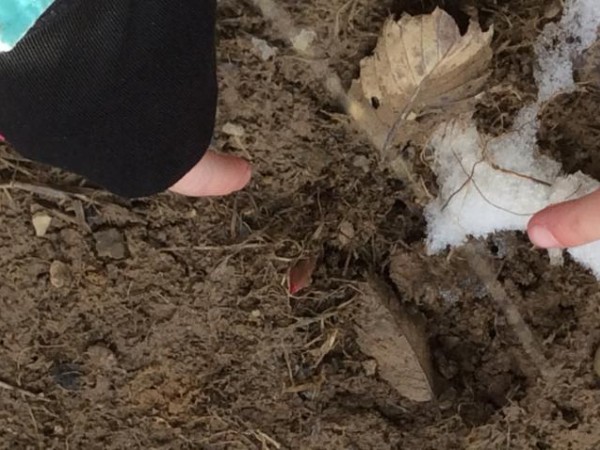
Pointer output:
492, 184
559, 43
476, 198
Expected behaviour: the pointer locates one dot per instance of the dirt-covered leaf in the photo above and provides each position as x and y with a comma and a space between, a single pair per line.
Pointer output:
422, 63
396, 340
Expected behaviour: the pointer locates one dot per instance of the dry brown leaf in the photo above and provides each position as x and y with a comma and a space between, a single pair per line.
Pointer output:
422, 63
397, 341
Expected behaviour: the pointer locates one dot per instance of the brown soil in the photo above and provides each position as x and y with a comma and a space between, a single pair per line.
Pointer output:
169, 326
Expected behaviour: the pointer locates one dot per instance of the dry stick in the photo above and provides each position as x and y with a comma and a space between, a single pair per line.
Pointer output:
46, 191
483, 269
370, 124
24, 392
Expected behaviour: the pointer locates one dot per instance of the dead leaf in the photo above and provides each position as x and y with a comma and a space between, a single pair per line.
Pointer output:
397, 341
41, 222
300, 275
422, 63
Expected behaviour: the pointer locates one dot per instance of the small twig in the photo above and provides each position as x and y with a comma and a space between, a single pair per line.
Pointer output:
482, 267
471, 180
302, 322
216, 248
519, 175
24, 392
46, 191
264, 438
338, 14
464, 184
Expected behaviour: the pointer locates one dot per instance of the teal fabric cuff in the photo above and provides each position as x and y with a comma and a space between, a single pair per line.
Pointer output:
16, 18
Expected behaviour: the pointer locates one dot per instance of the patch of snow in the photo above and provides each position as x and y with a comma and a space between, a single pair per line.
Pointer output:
493, 184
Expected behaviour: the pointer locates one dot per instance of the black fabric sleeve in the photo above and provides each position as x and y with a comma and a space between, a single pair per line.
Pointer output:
122, 92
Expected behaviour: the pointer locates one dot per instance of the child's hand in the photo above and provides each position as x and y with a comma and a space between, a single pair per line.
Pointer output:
215, 174
567, 224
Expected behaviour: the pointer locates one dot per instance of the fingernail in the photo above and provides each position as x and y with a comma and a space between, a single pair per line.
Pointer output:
542, 237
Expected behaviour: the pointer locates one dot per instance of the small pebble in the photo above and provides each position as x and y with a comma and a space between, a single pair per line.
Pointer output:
67, 375
101, 357
370, 367
60, 274
110, 244
361, 162
346, 233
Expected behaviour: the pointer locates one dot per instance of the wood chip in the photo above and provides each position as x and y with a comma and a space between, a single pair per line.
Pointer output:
41, 222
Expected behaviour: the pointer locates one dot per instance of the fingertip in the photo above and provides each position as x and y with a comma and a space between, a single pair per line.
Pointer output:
232, 172
542, 237
568, 224
246, 172
215, 175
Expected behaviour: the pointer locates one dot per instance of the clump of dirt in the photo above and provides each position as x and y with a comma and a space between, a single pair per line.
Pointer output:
175, 328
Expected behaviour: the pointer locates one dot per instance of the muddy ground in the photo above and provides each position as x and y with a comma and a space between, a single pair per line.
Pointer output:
183, 335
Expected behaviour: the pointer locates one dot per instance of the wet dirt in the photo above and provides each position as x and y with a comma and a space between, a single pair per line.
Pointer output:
169, 325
